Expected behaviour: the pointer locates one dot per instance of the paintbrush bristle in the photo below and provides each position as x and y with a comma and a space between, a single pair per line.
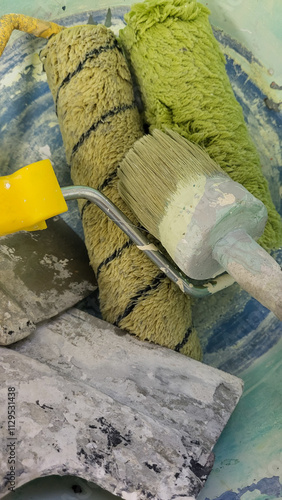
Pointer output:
155, 168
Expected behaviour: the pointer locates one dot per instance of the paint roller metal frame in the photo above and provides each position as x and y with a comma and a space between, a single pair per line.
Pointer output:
188, 286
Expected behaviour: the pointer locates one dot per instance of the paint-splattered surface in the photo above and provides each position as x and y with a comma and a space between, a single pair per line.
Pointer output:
238, 334
248, 462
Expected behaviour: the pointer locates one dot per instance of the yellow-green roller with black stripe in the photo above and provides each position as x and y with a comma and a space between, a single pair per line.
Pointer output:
99, 122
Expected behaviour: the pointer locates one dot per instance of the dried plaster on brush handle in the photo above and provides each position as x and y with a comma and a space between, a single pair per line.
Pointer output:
252, 267
220, 234
99, 122
31, 25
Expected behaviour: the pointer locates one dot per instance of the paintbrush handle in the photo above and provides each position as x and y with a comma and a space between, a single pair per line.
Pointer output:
252, 267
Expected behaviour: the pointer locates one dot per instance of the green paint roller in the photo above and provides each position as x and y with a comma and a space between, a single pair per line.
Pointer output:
207, 222
180, 70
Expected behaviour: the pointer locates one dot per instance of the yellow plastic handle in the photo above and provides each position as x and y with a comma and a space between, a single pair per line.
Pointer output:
28, 197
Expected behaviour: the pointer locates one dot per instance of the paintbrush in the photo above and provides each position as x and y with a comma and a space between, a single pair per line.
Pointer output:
207, 222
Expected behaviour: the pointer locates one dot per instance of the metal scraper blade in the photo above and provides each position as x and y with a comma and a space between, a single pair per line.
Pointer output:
42, 273
137, 419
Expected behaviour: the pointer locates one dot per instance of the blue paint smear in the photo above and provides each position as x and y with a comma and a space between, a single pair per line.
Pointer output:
26, 111
252, 92
249, 452
226, 40
257, 346
238, 326
266, 486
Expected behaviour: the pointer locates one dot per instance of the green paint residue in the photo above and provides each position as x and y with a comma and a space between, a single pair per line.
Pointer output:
180, 70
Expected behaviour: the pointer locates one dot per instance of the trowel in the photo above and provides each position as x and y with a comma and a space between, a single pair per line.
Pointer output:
42, 273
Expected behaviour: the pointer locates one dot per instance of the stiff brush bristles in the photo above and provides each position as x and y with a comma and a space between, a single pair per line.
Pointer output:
165, 157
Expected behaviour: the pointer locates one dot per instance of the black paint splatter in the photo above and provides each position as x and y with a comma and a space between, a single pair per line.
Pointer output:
57, 448
93, 457
113, 435
44, 406
153, 467
275, 86
201, 471
270, 104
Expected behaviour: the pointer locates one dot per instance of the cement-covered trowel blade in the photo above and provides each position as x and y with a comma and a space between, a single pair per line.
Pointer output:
135, 418
42, 273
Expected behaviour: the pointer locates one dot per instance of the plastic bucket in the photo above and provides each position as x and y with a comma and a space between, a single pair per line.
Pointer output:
238, 334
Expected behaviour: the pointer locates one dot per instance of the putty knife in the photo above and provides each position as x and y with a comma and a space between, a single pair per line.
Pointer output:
42, 273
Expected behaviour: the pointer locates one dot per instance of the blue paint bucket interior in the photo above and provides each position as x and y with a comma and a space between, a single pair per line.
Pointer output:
238, 334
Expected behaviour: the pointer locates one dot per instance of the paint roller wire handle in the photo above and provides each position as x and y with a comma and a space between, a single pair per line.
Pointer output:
252, 267
120, 219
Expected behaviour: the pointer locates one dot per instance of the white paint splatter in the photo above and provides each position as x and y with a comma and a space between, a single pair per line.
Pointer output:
222, 201
180, 284
10, 252
130, 496
54, 263
150, 247
45, 152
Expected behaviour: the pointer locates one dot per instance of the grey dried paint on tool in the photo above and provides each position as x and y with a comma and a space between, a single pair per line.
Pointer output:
42, 273
137, 419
